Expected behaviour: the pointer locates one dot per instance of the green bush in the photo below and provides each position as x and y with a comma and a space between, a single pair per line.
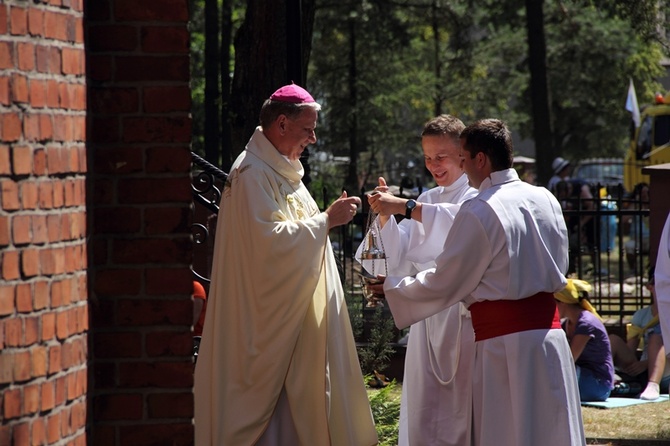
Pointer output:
385, 406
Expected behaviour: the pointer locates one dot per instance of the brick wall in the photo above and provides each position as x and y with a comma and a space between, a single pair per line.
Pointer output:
43, 290
139, 210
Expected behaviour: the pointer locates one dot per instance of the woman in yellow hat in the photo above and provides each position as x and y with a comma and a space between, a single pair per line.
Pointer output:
588, 340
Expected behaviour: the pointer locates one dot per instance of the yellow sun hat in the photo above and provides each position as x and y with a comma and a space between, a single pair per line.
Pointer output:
573, 294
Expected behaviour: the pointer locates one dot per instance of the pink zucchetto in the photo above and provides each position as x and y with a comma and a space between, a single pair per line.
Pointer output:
292, 93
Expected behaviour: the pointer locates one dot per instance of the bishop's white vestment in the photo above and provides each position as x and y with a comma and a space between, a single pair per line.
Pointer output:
277, 363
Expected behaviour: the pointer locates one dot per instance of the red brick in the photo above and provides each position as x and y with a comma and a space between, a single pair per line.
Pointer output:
39, 361
164, 190
155, 312
166, 99
118, 407
38, 431
36, 21
53, 227
169, 432
10, 195
31, 329
3, 30
46, 126
21, 433
53, 99
22, 366
6, 367
39, 226
163, 281
38, 93
114, 100
12, 403
103, 38
152, 11
62, 327
159, 374
46, 194
19, 88
165, 39
10, 265
39, 162
54, 359
4, 91
100, 67
18, 21
26, 56
24, 298
58, 192
168, 159
118, 281
10, 125
42, 58
4, 230
55, 26
78, 96
7, 293
41, 294
172, 405
22, 158
61, 390
73, 61
30, 262
29, 195
13, 332
48, 396
21, 229
144, 69
31, 127
48, 326
31, 399
169, 343
118, 345
6, 55
78, 416
53, 427
166, 220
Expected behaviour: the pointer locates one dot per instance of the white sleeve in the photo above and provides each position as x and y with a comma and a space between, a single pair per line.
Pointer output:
458, 271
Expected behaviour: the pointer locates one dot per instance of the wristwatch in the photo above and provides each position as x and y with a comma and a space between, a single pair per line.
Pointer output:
409, 207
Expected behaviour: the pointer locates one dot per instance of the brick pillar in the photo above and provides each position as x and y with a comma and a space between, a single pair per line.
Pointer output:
141, 368
43, 292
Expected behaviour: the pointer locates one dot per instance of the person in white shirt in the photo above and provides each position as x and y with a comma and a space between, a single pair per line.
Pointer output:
505, 256
436, 386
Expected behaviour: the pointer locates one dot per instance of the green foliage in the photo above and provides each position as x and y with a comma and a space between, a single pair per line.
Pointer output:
376, 353
385, 406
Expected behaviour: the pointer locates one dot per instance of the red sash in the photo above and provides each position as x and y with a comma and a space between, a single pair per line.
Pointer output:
493, 318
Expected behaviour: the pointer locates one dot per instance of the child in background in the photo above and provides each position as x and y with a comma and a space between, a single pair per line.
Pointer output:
589, 343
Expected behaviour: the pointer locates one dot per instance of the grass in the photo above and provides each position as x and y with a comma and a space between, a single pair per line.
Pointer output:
645, 421
602, 426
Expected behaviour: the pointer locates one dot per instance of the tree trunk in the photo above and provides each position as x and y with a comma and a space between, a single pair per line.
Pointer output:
226, 40
261, 64
212, 135
539, 90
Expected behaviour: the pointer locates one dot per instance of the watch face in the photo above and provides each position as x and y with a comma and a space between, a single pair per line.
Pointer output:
411, 204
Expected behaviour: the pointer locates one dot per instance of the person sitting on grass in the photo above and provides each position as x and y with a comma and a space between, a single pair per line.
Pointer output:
651, 369
589, 343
